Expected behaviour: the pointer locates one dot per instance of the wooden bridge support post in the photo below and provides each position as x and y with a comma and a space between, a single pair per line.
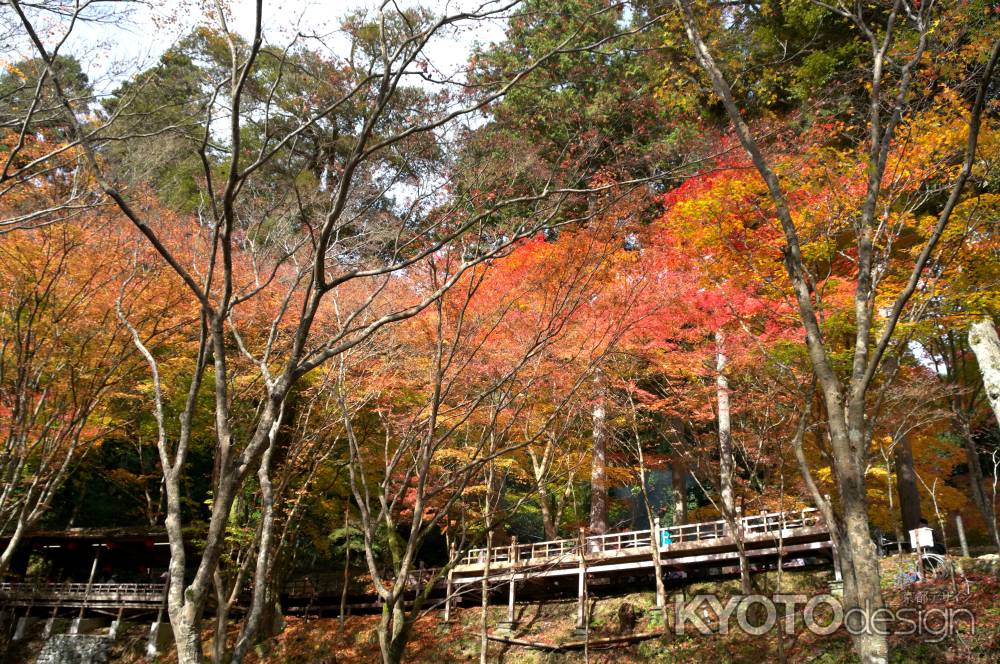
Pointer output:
961, 535
50, 624
20, 629
116, 624
157, 634
86, 592
22, 625
581, 607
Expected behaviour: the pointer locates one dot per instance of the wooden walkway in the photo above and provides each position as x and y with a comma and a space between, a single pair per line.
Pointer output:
708, 547
93, 596
694, 550
765, 538
791, 535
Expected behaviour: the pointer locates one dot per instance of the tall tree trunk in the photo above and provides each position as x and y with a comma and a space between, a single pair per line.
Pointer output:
551, 514
7, 555
654, 522
484, 643
222, 609
678, 490
548, 518
261, 598
187, 636
393, 631
725, 430
906, 484
726, 460
985, 344
347, 560
598, 471
859, 560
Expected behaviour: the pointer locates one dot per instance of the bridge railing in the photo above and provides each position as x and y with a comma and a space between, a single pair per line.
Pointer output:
751, 526
78, 590
632, 539
771, 522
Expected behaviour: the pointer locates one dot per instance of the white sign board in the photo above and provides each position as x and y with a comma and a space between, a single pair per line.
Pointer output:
921, 538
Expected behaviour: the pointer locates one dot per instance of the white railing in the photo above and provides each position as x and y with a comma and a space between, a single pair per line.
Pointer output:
752, 526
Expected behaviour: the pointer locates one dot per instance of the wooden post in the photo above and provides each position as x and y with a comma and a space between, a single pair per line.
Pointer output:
90, 580
116, 623
961, 535
50, 623
22, 625
581, 607
163, 602
655, 533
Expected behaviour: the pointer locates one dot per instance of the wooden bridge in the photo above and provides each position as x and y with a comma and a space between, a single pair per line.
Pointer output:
766, 538
611, 559
95, 609
542, 569
709, 547
790, 534
98, 597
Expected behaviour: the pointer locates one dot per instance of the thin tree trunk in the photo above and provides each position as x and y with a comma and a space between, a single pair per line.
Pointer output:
726, 461
347, 561
484, 643
977, 484
221, 619
891, 490
490, 480
654, 522
540, 469
261, 597
598, 472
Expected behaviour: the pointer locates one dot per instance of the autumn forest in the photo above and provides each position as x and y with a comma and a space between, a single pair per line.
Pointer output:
352, 298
